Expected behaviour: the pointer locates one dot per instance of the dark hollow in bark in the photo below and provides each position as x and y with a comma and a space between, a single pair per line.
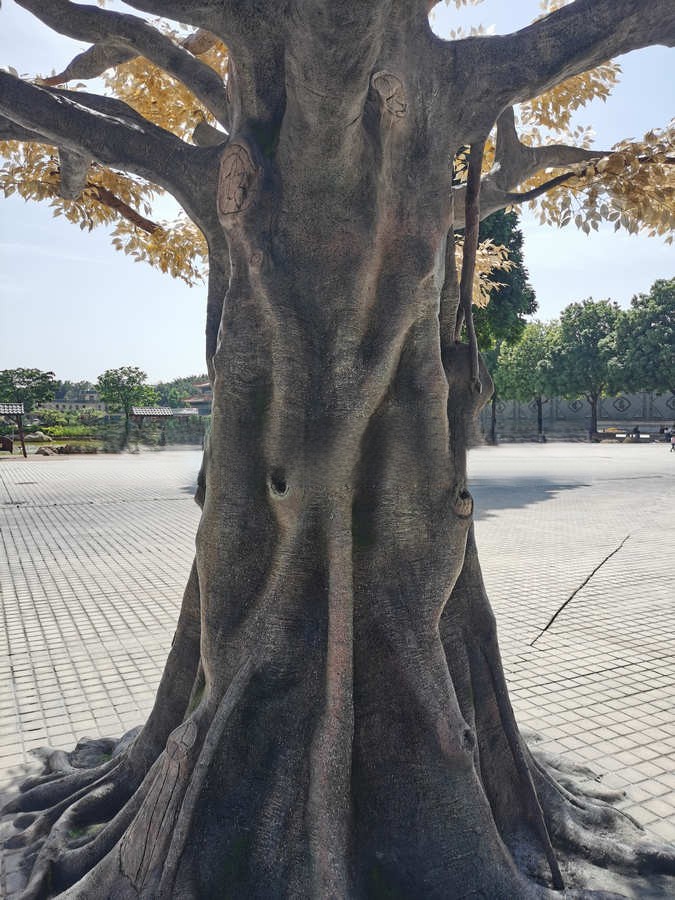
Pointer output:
333, 720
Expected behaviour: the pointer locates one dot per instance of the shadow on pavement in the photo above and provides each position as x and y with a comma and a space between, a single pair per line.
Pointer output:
492, 494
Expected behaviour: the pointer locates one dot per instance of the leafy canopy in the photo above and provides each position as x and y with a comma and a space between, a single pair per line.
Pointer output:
122, 388
27, 386
510, 293
645, 341
582, 360
631, 184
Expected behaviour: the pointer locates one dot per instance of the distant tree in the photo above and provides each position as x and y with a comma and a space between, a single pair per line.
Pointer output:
175, 393
512, 298
27, 386
122, 388
645, 340
524, 370
72, 390
583, 361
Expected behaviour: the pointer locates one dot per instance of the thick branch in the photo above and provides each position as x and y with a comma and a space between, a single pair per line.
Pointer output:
95, 60
513, 68
203, 14
515, 161
131, 33
11, 131
107, 130
91, 63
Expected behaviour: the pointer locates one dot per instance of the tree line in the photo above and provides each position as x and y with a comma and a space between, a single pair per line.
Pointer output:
595, 349
119, 389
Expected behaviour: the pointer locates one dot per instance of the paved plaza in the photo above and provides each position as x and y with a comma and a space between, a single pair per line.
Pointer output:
576, 542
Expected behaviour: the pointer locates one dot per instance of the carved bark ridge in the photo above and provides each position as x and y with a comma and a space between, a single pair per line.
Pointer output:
391, 92
239, 176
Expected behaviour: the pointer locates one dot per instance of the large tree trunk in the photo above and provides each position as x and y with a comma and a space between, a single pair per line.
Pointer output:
333, 721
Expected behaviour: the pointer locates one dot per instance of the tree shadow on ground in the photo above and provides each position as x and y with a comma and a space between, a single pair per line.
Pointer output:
493, 494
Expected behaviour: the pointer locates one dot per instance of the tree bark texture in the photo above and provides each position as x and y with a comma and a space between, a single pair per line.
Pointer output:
333, 721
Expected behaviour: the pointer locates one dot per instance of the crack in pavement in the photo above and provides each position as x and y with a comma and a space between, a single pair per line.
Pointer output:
576, 591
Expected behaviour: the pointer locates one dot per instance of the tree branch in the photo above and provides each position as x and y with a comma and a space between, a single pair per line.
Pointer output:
514, 163
104, 129
119, 36
112, 201
513, 68
203, 14
540, 189
11, 131
91, 63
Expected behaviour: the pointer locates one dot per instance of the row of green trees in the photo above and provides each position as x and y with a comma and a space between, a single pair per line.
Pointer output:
120, 389
594, 350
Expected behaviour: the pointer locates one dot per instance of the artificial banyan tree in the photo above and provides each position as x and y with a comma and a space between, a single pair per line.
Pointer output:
333, 719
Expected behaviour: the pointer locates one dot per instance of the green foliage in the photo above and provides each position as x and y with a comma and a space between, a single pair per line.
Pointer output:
122, 388
73, 390
503, 319
582, 361
645, 341
52, 417
27, 386
68, 431
524, 370
175, 393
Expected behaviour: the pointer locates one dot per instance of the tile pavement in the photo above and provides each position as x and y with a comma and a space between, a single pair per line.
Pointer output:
94, 554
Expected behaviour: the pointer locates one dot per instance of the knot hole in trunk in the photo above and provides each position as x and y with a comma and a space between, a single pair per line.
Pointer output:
278, 483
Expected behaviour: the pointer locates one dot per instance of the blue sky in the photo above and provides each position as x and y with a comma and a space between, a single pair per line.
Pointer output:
70, 303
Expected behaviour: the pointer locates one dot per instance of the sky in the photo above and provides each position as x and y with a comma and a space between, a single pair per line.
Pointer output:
70, 303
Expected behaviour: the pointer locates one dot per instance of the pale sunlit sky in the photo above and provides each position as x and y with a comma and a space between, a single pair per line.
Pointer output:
70, 303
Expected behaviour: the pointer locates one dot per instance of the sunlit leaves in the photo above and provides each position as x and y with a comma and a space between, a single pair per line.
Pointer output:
176, 247
161, 98
633, 187
490, 258
554, 109
32, 172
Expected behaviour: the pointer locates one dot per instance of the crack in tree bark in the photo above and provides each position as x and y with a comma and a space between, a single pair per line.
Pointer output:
576, 591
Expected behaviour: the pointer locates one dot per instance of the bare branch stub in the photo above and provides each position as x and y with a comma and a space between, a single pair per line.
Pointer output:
74, 168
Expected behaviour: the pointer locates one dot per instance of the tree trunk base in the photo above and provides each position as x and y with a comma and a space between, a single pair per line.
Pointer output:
66, 821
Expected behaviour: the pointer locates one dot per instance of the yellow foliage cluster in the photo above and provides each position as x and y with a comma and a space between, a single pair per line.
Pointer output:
553, 110
159, 97
32, 172
490, 258
633, 187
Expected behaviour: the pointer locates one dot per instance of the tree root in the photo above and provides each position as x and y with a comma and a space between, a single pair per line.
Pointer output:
70, 819
581, 823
